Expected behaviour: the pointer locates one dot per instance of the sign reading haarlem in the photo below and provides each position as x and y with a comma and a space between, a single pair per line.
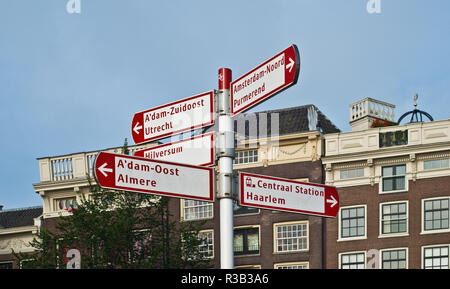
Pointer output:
287, 195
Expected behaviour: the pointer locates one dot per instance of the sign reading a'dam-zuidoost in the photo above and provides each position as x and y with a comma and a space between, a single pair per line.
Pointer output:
281, 194
266, 80
136, 174
174, 118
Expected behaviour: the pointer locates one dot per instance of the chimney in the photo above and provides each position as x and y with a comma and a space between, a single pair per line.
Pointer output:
1, 208
364, 112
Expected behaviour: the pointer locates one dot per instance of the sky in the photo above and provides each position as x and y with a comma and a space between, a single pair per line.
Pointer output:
71, 82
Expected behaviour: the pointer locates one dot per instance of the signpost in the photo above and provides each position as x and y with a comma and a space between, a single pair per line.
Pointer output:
197, 150
173, 118
154, 174
135, 174
266, 80
287, 195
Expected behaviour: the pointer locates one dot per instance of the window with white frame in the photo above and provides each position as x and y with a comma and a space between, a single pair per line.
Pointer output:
353, 222
436, 214
436, 164
196, 210
206, 248
394, 218
302, 265
352, 173
291, 237
394, 178
436, 257
353, 260
394, 259
246, 157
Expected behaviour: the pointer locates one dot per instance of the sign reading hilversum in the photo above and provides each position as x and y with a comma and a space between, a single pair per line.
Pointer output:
135, 174
287, 195
266, 80
174, 118
197, 150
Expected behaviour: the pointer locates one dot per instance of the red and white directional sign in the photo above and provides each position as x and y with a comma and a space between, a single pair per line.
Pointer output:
135, 174
197, 151
266, 80
173, 118
287, 195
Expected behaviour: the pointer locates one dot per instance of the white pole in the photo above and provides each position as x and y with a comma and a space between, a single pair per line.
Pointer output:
226, 156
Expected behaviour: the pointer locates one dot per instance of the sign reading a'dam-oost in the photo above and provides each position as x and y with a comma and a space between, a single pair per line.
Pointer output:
173, 118
287, 195
266, 80
197, 151
135, 174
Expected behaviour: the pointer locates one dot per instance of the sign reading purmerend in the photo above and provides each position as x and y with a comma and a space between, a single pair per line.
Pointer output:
174, 118
135, 174
266, 80
286, 195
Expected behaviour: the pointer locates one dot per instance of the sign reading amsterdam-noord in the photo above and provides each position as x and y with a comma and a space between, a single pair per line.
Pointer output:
197, 151
135, 174
174, 118
287, 195
266, 80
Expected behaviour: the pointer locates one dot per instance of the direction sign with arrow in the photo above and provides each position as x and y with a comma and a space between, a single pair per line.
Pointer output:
287, 195
135, 174
174, 118
266, 80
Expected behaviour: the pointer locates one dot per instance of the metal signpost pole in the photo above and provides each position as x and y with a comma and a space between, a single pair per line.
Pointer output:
225, 152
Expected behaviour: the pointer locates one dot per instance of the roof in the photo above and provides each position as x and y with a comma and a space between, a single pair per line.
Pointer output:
19, 217
290, 120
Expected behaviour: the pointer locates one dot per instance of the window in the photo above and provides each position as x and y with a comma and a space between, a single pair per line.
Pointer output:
436, 214
353, 261
394, 178
291, 237
394, 259
394, 218
352, 173
353, 222
436, 164
302, 265
6, 265
246, 157
239, 210
207, 246
435, 257
196, 210
246, 241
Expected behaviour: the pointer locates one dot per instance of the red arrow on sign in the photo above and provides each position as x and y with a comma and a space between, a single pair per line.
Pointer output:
266, 80
136, 174
287, 195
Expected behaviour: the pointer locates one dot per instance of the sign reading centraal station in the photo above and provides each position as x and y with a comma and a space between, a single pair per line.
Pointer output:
287, 195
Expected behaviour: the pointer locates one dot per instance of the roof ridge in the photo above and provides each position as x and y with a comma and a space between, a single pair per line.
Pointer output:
21, 209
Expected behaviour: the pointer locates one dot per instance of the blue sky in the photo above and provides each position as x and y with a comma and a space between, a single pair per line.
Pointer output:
72, 82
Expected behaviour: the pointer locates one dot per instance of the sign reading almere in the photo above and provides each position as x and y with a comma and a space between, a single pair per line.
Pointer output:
266, 80
140, 175
174, 118
281, 194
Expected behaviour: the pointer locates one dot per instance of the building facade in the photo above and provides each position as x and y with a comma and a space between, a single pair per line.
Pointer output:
393, 185
283, 143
